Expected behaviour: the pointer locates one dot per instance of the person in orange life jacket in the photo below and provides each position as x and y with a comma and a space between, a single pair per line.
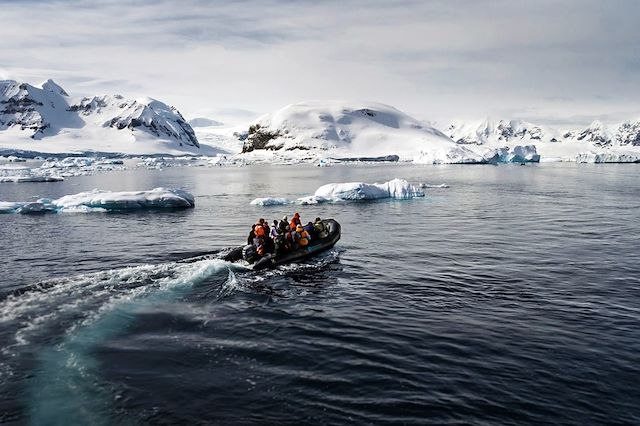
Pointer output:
295, 221
259, 240
294, 237
267, 242
265, 225
304, 236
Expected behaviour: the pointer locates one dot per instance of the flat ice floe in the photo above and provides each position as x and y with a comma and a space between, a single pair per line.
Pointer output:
351, 191
103, 201
30, 178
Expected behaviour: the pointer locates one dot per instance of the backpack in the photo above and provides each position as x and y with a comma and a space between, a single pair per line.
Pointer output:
321, 229
249, 253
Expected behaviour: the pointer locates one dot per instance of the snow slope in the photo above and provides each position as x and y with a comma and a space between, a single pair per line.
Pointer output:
45, 119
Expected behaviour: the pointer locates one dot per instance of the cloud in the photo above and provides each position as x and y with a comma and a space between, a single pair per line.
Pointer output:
435, 59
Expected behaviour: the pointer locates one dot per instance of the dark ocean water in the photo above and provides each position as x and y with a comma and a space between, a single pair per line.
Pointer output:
513, 297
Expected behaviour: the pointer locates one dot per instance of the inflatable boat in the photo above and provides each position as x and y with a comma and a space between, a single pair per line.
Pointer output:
315, 246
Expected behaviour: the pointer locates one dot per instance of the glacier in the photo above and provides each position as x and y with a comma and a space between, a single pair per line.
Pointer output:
518, 154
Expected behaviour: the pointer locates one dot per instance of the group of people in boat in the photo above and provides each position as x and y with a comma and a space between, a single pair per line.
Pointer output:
284, 236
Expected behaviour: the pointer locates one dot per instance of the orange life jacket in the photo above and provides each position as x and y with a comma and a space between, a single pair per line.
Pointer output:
304, 238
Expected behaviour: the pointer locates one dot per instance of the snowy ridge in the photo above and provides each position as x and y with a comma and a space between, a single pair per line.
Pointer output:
47, 119
609, 143
103, 201
499, 132
341, 129
145, 114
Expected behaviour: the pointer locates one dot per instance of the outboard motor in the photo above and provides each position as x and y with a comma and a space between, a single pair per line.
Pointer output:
249, 253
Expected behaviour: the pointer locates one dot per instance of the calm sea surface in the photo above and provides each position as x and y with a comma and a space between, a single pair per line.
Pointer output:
511, 298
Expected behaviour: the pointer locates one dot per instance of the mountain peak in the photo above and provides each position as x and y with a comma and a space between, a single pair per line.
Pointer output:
52, 86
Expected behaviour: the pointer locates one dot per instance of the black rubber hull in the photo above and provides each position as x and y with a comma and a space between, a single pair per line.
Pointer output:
299, 255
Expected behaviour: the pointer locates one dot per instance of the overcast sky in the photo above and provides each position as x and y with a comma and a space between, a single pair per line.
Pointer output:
544, 60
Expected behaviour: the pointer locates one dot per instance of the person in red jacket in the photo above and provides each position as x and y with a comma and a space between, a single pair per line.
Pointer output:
295, 221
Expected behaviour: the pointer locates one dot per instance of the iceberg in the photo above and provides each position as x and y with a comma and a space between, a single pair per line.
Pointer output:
131, 200
396, 188
103, 201
17, 174
519, 154
350, 191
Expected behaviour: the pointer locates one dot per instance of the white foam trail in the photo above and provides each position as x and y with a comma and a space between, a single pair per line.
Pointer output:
65, 383
76, 302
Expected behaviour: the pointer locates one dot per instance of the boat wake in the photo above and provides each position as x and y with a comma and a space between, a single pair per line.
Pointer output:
53, 326
51, 329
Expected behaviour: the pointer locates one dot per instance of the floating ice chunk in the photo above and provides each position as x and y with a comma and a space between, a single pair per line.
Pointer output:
428, 185
9, 207
30, 178
102, 201
39, 206
312, 200
269, 201
608, 157
351, 191
68, 162
396, 188
132, 200
14, 159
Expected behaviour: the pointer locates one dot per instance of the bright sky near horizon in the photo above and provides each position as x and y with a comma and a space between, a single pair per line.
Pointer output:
565, 61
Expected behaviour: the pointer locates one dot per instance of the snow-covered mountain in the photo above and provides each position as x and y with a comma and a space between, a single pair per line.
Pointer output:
346, 129
597, 140
499, 132
620, 134
47, 119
